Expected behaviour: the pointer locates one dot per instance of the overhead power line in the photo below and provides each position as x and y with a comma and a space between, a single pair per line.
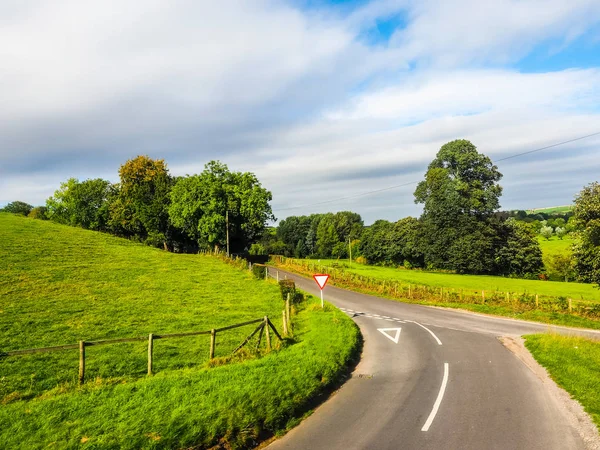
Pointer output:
396, 186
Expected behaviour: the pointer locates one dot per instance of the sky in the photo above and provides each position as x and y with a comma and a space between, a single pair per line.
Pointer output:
322, 100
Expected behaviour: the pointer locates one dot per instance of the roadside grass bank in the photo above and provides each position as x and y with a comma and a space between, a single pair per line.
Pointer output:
574, 364
59, 285
519, 305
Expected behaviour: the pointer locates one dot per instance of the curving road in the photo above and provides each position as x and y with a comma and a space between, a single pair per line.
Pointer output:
433, 378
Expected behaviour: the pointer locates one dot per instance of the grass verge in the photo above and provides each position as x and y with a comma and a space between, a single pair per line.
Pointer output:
574, 364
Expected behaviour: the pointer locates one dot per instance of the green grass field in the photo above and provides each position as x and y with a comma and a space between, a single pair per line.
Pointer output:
471, 282
59, 285
574, 363
551, 210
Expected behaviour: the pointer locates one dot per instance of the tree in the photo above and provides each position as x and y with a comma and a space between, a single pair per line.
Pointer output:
39, 212
521, 254
140, 206
84, 204
18, 207
562, 265
375, 242
546, 232
587, 216
200, 203
460, 194
460, 181
327, 236
560, 232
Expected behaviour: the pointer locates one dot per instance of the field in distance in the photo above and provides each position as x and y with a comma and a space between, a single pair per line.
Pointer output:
469, 282
59, 285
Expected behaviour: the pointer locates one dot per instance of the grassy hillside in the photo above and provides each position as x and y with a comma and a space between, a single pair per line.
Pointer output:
59, 285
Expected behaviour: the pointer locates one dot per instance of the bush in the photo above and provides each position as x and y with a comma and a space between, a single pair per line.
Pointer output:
288, 287
361, 260
259, 270
39, 212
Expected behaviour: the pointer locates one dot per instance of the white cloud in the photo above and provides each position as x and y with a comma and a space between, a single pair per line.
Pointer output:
291, 95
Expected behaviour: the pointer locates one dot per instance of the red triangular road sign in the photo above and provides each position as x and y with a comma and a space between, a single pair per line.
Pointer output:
321, 280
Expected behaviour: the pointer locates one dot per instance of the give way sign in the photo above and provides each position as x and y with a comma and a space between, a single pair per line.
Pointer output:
321, 280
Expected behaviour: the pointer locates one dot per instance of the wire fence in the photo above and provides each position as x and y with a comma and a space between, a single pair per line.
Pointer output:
517, 301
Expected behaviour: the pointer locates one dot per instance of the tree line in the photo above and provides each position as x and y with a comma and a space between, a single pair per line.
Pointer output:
175, 213
460, 230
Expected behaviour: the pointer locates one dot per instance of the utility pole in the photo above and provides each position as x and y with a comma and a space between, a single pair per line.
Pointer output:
227, 230
350, 250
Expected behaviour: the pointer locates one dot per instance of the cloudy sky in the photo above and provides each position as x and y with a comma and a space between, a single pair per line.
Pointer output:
323, 100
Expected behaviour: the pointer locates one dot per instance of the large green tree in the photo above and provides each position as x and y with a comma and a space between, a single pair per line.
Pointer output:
460, 193
81, 203
520, 254
140, 205
587, 217
200, 204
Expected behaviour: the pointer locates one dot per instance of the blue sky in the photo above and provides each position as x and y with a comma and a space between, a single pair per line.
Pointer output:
321, 99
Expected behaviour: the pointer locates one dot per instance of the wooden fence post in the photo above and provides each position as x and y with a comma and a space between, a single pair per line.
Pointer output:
409, 291
483, 296
288, 310
150, 349
570, 305
266, 272
81, 362
213, 338
285, 328
537, 301
267, 334
507, 297
278, 276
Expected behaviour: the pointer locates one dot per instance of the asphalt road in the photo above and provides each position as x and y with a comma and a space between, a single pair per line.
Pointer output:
432, 378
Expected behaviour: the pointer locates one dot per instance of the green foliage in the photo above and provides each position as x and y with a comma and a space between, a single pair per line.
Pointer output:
89, 286
546, 232
587, 251
39, 212
327, 236
573, 362
81, 204
18, 207
287, 287
199, 204
460, 180
140, 205
460, 193
522, 255
257, 249
259, 271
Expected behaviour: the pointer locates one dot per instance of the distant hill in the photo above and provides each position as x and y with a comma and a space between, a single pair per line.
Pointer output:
551, 209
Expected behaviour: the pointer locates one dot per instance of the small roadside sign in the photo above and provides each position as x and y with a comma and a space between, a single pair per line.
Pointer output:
321, 280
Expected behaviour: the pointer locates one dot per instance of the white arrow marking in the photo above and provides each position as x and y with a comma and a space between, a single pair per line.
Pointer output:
396, 337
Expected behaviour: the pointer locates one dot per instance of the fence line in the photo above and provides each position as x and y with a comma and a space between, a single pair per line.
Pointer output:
517, 301
265, 325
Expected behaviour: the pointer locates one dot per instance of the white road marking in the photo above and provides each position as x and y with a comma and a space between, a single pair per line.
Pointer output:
396, 337
431, 332
438, 400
